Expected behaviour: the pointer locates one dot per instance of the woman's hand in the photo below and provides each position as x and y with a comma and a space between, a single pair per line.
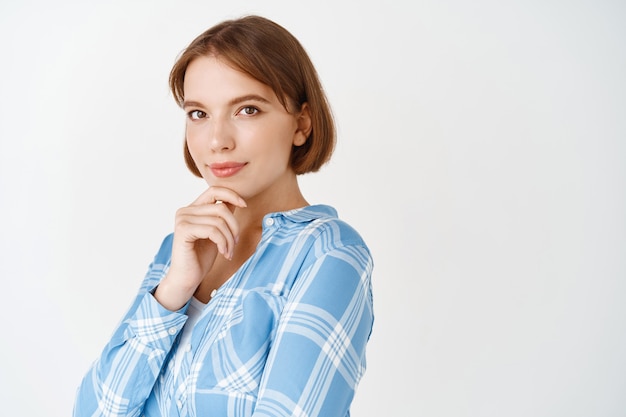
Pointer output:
203, 230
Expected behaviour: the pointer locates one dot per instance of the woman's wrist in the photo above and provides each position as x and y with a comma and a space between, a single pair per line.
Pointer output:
172, 297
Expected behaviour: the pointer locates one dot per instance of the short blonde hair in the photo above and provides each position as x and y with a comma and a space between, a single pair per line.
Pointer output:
270, 54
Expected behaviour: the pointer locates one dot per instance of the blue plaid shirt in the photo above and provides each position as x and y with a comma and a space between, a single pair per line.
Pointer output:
284, 336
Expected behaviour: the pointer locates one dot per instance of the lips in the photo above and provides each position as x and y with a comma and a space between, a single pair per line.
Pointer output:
226, 169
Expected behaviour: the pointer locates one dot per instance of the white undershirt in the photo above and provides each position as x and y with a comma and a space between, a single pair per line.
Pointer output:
194, 311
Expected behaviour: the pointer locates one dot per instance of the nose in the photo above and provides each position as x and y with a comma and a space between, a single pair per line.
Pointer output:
221, 135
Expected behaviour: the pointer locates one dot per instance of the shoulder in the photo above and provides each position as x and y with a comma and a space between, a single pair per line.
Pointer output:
338, 231
328, 231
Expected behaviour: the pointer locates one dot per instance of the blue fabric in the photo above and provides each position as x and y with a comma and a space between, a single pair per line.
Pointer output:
284, 336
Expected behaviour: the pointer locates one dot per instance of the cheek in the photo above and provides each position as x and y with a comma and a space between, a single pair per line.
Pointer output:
193, 137
278, 150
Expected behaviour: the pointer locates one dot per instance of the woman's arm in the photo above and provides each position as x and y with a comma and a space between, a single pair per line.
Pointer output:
318, 356
122, 377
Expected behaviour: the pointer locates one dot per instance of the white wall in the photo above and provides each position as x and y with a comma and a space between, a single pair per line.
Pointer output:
481, 155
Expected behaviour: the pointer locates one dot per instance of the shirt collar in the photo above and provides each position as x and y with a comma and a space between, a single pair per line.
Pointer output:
305, 214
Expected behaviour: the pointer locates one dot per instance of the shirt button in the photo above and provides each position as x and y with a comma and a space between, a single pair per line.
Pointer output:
278, 287
269, 221
213, 293
179, 403
188, 347
172, 331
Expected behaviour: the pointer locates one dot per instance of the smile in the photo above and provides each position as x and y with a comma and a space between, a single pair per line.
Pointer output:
226, 169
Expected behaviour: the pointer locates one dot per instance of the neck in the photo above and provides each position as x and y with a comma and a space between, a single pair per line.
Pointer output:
272, 201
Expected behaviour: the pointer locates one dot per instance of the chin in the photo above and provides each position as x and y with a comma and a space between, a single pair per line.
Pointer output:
217, 182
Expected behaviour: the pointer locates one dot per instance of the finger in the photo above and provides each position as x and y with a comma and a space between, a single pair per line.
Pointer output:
205, 212
224, 220
215, 229
214, 194
213, 215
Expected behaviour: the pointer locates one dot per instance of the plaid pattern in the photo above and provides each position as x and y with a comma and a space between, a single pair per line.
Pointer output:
284, 336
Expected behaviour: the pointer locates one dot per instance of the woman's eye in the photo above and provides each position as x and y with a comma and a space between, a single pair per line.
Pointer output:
196, 114
249, 111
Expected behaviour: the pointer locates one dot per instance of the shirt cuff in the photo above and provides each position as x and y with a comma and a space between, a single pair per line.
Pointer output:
152, 324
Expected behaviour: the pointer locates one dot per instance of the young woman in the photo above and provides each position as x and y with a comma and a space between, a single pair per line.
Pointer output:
258, 304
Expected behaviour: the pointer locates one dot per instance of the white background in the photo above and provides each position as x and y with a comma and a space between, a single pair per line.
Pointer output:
481, 156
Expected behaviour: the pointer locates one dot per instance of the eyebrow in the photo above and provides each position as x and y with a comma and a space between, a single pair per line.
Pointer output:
234, 101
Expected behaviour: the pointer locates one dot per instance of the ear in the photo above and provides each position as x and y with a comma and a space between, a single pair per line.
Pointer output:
304, 126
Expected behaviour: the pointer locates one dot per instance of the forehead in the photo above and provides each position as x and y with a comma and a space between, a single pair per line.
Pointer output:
217, 77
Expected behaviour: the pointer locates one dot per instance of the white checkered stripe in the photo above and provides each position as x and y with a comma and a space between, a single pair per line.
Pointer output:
285, 336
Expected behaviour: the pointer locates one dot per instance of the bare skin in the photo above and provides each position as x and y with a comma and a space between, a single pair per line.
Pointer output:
211, 242
233, 120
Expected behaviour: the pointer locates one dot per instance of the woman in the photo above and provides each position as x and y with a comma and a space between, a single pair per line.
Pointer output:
258, 304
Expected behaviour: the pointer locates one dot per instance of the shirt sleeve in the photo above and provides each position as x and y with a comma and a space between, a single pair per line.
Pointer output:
318, 356
121, 379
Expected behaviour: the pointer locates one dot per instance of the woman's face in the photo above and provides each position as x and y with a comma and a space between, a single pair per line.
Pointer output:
239, 134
